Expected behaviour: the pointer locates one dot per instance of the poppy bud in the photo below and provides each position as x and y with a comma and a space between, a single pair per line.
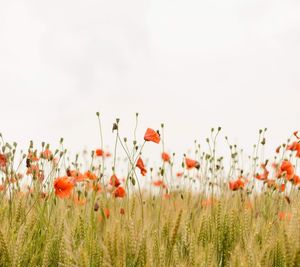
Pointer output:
96, 207
115, 127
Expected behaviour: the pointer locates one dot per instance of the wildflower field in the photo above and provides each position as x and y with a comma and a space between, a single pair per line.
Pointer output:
208, 210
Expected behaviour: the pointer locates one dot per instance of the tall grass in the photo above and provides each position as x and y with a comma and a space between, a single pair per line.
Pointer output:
224, 221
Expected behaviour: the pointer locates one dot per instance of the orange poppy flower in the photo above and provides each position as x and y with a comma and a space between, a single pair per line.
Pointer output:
282, 188
97, 188
107, 154
263, 176
167, 196
32, 156
208, 202
63, 187
165, 157
2, 187
114, 181
99, 152
106, 212
159, 183
78, 176
287, 169
284, 216
46, 154
141, 166
152, 136
295, 146
90, 175
271, 183
3, 160
190, 163
179, 174
119, 192
79, 201
296, 180
237, 184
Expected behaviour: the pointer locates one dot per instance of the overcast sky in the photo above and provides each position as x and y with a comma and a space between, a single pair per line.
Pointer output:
189, 64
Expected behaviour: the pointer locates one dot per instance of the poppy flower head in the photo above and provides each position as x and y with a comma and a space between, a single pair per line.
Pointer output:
32, 156
179, 174
282, 187
190, 163
63, 187
46, 154
141, 166
119, 192
296, 180
284, 216
76, 175
114, 181
90, 175
106, 212
165, 157
287, 169
237, 184
122, 211
152, 136
264, 175
3, 160
159, 183
99, 152
295, 146
271, 183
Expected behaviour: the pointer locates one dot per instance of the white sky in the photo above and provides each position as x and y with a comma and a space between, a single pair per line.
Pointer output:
190, 64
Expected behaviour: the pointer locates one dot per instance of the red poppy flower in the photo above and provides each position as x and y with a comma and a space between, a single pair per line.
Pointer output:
114, 181
77, 176
63, 187
152, 136
263, 176
295, 146
179, 174
97, 188
284, 216
106, 212
141, 166
296, 180
237, 184
3, 160
271, 183
32, 156
287, 169
165, 157
107, 154
79, 201
119, 192
190, 163
46, 154
99, 152
282, 188
159, 183
90, 175
166, 196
